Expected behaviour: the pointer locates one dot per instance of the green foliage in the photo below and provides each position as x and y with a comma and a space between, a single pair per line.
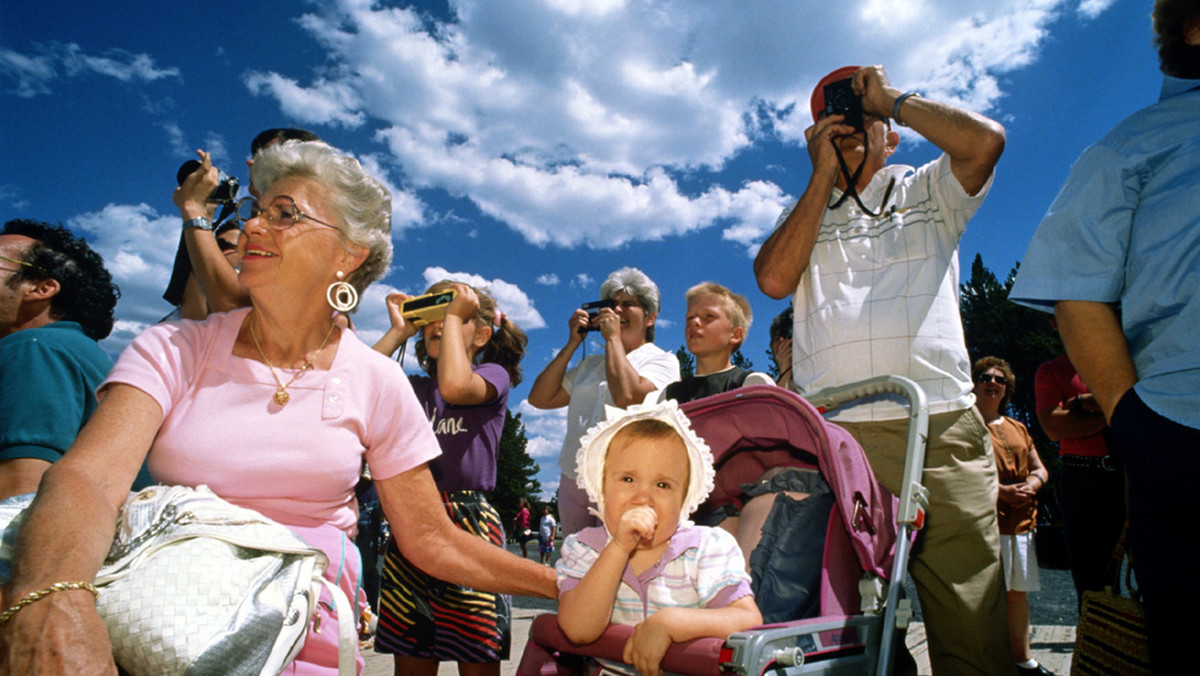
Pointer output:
516, 473
995, 326
739, 360
687, 363
772, 364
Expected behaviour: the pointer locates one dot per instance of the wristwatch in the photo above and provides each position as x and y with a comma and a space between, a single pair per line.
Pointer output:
201, 223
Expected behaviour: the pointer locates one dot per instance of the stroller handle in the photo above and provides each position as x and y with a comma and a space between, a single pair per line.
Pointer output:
914, 498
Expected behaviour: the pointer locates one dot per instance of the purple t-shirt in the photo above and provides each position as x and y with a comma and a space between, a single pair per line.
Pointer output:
469, 435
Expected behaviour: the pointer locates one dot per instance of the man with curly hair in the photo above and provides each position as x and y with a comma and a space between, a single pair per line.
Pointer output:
56, 301
1115, 259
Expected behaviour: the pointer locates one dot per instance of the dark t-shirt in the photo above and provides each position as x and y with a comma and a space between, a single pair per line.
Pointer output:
697, 387
469, 435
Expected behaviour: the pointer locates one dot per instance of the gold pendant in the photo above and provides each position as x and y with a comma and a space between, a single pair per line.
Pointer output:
282, 397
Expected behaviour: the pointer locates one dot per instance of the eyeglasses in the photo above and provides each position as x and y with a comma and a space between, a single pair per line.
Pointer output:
990, 378
28, 265
280, 215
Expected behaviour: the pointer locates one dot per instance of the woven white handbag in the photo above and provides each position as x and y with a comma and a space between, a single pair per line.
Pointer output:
194, 585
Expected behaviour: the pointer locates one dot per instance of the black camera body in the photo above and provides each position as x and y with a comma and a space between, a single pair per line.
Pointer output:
225, 192
840, 99
593, 308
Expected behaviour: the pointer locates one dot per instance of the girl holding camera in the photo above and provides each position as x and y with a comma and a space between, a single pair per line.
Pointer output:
472, 358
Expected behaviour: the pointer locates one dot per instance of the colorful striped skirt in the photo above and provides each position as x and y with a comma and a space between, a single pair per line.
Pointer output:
422, 616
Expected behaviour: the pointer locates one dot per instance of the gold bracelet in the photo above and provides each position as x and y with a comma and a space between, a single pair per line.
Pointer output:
34, 596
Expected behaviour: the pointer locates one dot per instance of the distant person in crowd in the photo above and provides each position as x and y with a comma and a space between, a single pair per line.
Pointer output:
547, 533
212, 285
473, 357
1021, 475
522, 526
648, 471
1116, 259
274, 407
870, 255
781, 347
1091, 488
716, 326
630, 368
56, 301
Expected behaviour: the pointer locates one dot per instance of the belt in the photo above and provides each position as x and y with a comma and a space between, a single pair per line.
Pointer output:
1105, 463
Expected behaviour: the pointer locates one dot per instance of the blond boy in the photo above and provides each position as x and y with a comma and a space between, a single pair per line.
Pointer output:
716, 326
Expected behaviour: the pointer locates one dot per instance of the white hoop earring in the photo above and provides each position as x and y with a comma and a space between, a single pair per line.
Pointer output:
341, 295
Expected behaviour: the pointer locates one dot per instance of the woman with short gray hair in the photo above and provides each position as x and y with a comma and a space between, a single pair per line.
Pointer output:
631, 367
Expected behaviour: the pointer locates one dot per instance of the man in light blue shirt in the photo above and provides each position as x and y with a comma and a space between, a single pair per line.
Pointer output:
1117, 258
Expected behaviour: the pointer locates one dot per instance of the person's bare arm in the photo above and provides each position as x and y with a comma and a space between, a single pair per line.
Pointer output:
400, 330
1081, 417
784, 256
19, 476
1097, 347
547, 391
625, 384
650, 640
457, 380
428, 539
67, 535
973, 142
216, 277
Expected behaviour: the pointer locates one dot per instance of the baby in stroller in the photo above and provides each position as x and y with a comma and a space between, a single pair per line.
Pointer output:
648, 566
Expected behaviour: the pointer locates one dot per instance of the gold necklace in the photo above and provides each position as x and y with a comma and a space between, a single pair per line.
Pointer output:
281, 396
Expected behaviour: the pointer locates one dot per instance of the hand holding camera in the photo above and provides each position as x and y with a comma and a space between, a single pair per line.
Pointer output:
593, 313
202, 187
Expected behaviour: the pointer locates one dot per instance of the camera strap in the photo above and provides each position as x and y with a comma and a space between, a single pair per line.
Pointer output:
852, 181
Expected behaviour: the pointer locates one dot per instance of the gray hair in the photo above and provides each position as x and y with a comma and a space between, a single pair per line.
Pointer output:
361, 203
637, 284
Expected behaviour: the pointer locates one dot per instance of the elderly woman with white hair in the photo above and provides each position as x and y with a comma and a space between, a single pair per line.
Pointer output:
631, 367
274, 407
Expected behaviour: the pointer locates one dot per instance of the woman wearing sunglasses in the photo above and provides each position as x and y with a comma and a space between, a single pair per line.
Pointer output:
302, 404
1021, 475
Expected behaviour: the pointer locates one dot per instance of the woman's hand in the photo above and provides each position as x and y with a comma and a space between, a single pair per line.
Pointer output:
577, 327
192, 195
60, 634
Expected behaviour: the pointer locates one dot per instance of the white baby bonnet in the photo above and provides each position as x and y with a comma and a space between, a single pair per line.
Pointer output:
593, 447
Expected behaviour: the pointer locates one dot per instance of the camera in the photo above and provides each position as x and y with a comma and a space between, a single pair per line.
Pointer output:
593, 308
840, 99
225, 192
427, 309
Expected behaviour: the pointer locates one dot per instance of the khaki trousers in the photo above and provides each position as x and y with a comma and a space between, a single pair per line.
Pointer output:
956, 559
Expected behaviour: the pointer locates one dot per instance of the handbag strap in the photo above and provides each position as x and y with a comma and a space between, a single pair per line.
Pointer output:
347, 632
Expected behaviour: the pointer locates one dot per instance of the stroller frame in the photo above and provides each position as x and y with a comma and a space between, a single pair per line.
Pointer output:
830, 644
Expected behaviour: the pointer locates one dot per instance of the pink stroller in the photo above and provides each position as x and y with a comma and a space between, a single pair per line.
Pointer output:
867, 542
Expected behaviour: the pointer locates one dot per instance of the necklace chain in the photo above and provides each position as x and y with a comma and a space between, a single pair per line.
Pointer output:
281, 395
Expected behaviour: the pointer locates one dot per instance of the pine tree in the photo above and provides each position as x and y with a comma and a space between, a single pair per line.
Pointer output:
516, 472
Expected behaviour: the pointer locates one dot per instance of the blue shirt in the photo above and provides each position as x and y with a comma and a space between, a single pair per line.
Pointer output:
1125, 229
48, 381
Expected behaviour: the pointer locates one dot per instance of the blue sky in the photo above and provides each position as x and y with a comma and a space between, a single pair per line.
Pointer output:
536, 145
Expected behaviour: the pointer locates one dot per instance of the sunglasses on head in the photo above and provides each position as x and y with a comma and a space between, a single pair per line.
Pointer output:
989, 378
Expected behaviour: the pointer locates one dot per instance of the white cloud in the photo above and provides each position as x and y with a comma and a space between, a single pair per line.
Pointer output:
138, 246
575, 122
33, 74
545, 431
550, 279
510, 299
583, 280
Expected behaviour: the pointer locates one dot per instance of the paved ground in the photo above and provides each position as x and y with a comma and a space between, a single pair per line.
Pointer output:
1053, 614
